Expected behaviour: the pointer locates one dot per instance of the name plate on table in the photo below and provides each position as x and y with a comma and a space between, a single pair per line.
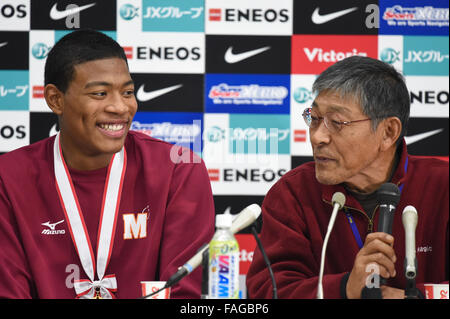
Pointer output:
435, 291
149, 287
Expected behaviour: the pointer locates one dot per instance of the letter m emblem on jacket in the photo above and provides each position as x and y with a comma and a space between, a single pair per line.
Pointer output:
134, 226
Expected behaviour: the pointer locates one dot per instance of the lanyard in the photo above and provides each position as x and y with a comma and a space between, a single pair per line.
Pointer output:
354, 228
105, 285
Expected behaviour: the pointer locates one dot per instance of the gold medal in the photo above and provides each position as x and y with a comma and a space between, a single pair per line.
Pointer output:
97, 294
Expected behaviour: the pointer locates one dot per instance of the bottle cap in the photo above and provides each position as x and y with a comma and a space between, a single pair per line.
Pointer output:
224, 220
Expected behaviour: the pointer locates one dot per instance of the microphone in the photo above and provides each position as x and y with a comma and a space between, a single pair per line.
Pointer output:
338, 201
245, 218
388, 196
409, 219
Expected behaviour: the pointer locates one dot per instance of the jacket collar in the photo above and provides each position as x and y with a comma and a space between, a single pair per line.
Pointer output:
398, 178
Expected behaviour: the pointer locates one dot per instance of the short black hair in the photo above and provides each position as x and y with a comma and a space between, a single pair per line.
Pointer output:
75, 48
377, 86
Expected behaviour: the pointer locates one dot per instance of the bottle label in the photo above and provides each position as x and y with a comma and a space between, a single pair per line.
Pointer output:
224, 270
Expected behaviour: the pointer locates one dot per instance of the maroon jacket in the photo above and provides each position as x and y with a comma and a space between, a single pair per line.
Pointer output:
38, 263
296, 213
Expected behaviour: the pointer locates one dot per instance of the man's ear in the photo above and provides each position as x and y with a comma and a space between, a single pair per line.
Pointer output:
392, 128
54, 98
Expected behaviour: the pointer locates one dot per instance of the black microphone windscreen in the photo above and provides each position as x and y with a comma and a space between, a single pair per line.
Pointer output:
388, 194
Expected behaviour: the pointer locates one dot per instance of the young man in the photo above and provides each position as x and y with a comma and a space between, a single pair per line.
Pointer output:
357, 123
95, 210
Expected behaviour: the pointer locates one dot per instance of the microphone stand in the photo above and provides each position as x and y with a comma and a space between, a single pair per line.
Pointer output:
205, 274
267, 261
411, 292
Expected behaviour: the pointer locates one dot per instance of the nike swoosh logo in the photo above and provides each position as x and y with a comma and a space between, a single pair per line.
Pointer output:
417, 137
317, 18
147, 96
3, 44
231, 58
55, 14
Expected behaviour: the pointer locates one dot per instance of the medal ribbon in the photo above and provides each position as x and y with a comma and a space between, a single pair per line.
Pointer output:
77, 227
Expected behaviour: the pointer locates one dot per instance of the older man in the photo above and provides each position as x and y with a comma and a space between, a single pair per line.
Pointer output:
357, 123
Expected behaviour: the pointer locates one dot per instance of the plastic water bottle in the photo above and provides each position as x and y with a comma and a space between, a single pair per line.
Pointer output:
223, 261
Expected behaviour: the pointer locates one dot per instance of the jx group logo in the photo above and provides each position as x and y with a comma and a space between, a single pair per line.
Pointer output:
425, 55
414, 18
247, 93
14, 90
183, 129
311, 54
244, 140
173, 15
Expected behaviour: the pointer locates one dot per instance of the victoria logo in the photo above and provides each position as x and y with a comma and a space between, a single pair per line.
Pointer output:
231, 57
318, 18
56, 14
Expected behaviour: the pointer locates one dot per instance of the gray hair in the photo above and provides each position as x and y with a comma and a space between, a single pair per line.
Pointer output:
378, 87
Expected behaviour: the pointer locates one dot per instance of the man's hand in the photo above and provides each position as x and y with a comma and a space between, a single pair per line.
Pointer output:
377, 250
392, 293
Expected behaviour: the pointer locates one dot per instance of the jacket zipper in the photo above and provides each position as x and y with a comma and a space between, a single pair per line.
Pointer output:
370, 226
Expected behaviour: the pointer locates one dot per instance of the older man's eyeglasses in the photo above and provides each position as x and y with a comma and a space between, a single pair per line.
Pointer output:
332, 123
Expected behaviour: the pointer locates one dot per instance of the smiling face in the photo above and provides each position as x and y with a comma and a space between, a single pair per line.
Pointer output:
351, 155
95, 112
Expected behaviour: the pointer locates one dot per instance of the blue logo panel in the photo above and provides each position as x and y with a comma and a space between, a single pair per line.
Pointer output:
247, 93
14, 90
174, 15
180, 128
425, 55
414, 17
259, 134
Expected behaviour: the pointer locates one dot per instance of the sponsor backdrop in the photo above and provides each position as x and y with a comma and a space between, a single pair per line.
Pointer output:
230, 78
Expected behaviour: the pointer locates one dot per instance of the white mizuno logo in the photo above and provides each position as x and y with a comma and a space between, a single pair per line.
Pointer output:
52, 226
317, 18
55, 14
51, 229
231, 57
417, 137
147, 96
3, 44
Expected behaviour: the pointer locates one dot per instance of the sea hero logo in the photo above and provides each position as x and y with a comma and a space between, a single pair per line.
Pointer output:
416, 16
169, 132
247, 94
249, 15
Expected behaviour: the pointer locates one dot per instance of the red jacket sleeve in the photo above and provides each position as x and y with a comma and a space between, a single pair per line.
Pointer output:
15, 275
189, 224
